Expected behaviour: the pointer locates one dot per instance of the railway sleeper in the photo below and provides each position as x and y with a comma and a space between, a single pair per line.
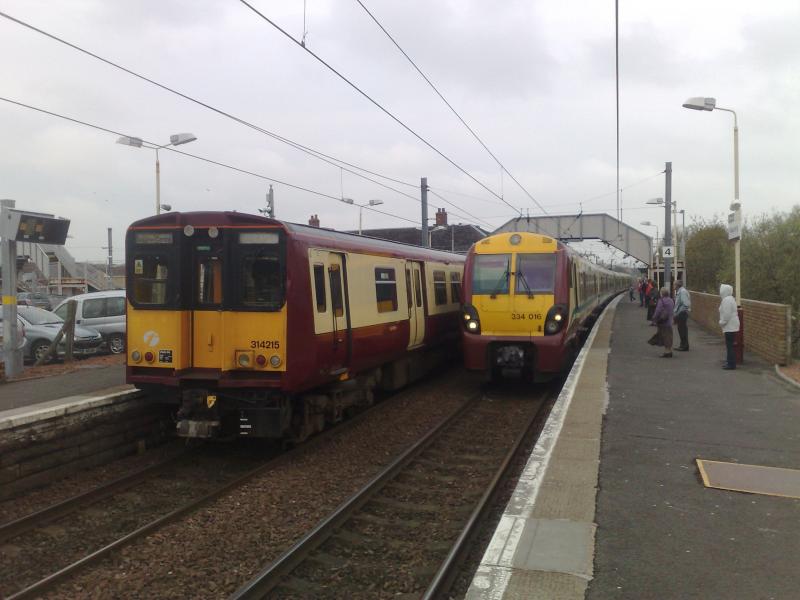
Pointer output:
346, 537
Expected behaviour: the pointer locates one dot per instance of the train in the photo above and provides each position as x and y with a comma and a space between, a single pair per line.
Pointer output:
529, 302
257, 327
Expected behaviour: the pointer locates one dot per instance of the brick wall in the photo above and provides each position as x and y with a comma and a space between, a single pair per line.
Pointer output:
767, 326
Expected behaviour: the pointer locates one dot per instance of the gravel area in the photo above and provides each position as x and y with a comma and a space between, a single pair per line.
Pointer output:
33, 555
402, 534
219, 548
61, 489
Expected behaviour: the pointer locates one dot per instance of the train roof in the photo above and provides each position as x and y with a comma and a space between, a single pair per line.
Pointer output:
534, 242
305, 233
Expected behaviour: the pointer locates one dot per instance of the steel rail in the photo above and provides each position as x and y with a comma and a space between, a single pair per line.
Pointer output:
447, 571
269, 578
36, 589
41, 517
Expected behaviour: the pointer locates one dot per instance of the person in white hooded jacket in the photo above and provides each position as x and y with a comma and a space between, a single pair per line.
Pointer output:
729, 321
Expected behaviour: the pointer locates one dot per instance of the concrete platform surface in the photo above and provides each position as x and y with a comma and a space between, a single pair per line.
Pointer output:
16, 394
660, 532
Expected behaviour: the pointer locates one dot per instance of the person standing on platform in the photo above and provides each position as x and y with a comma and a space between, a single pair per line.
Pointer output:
642, 286
651, 298
683, 305
662, 317
729, 322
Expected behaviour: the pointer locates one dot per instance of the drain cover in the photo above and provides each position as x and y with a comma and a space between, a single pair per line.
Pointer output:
754, 479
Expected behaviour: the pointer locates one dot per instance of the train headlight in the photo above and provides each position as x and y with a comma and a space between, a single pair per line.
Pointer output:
149, 357
471, 320
136, 356
275, 361
244, 361
555, 320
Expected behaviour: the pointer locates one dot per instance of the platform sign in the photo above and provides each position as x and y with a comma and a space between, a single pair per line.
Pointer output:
39, 228
668, 251
20, 226
734, 226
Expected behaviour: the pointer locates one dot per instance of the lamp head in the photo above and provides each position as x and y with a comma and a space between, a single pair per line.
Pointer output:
375, 202
166, 207
346, 200
655, 201
700, 103
647, 223
181, 138
736, 206
130, 141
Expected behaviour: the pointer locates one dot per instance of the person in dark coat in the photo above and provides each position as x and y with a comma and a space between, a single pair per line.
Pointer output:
662, 317
651, 298
683, 305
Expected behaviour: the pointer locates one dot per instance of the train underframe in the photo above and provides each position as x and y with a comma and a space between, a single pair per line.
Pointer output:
207, 410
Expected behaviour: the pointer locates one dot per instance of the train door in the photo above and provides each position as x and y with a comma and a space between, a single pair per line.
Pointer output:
416, 309
207, 265
340, 311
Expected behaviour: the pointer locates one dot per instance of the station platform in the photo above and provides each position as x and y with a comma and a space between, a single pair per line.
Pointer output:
52, 388
612, 504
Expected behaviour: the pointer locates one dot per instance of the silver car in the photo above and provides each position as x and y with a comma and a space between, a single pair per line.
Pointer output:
102, 311
42, 326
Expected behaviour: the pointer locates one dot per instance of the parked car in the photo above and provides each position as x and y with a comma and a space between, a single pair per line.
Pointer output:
34, 299
42, 326
103, 311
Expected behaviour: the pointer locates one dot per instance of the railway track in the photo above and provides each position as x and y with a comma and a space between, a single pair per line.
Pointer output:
74, 534
42, 548
404, 533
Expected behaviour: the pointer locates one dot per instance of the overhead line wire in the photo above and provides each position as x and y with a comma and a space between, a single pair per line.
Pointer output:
195, 156
332, 160
453, 110
377, 104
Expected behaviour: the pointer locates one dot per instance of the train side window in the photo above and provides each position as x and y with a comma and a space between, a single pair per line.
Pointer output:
335, 276
408, 288
418, 289
385, 290
455, 286
319, 288
439, 288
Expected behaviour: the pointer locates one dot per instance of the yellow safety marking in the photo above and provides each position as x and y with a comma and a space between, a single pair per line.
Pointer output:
211, 400
9, 299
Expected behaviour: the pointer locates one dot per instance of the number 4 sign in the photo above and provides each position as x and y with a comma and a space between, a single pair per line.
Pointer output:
668, 251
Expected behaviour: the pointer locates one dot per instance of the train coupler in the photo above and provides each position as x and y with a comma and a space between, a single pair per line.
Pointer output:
198, 416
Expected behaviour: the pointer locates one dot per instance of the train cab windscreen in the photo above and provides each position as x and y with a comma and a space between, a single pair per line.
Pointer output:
153, 261
261, 280
536, 273
490, 274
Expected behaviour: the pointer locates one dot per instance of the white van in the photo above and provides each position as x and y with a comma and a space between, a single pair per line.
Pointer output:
103, 311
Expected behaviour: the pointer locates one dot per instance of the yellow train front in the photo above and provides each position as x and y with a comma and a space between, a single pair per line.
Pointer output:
529, 301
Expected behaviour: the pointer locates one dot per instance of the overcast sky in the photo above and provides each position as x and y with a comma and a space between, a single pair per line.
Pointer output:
534, 79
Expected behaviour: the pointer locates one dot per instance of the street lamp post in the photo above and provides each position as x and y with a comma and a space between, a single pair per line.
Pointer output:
709, 104
174, 140
360, 207
655, 251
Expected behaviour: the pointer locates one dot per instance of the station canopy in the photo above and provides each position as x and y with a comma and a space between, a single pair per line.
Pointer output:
575, 228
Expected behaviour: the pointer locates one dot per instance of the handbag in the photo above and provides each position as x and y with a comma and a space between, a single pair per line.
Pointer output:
655, 340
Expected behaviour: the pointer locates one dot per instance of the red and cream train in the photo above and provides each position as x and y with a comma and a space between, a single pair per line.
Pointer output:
258, 327
529, 301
